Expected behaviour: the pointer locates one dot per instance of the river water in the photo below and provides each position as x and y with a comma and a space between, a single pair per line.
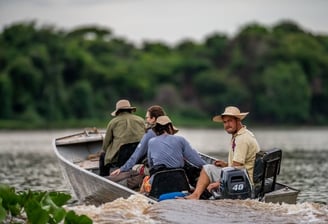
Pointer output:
28, 162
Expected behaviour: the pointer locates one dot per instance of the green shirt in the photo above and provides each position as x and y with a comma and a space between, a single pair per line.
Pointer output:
122, 129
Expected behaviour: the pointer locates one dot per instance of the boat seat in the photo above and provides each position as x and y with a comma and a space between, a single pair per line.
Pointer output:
192, 173
125, 152
121, 157
266, 169
167, 181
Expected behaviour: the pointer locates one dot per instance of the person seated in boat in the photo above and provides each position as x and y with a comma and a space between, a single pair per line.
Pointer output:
242, 152
123, 134
137, 159
167, 151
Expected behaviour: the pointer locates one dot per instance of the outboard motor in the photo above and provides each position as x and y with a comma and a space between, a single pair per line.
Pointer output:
234, 184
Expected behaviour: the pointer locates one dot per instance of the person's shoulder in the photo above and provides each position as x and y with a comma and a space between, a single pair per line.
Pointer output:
114, 120
250, 133
137, 117
152, 141
248, 136
179, 138
244, 131
150, 132
133, 117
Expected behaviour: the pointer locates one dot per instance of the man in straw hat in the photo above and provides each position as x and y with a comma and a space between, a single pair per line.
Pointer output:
242, 152
123, 134
166, 150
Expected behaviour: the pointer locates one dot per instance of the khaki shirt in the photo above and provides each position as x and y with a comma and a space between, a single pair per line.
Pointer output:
122, 129
244, 147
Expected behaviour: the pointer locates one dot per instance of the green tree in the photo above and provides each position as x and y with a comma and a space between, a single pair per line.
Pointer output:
81, 100
26, 79
286, 94
6, 91
218, 89
47, 74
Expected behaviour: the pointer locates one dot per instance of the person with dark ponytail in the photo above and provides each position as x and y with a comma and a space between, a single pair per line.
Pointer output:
167, 151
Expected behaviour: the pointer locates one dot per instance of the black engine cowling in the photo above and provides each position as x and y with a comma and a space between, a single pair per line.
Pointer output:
234, 184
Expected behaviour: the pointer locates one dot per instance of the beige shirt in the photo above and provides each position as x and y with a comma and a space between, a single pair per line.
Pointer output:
122, 129
244, 147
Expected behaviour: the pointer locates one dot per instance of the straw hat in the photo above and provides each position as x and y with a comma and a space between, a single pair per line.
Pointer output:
163, 120
123, 104
230, 111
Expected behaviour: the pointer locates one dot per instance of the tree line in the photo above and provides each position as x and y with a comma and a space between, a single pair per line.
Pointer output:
48, 75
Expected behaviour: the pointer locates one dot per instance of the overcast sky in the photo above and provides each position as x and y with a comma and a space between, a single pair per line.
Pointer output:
166, 20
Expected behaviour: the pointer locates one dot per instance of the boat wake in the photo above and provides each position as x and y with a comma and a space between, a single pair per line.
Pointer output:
136, 209
130, 210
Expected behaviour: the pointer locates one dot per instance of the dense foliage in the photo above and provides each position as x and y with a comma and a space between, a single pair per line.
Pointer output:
36, 207
50, 76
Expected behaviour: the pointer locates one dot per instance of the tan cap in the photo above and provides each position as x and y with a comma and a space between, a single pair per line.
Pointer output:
163, 120
230, 111
123, 104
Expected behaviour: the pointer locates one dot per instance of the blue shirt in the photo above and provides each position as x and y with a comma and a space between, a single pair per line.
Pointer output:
171, 151
140, 151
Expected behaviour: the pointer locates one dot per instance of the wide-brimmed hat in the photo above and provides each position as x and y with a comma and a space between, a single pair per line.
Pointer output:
163, 120
123, 104
230, 111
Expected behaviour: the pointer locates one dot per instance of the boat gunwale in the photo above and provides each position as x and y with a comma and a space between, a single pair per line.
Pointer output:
80, 137
88, 172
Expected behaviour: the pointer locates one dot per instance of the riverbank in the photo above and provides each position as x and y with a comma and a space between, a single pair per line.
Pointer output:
178, 121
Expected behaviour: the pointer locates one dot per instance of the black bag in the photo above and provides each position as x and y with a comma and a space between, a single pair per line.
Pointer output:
125, 153
192, 173
103, 169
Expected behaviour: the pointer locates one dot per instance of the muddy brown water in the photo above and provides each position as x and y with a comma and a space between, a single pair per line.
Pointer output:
28, 162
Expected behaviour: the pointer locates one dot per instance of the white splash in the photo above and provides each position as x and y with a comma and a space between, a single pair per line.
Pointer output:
130, 210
